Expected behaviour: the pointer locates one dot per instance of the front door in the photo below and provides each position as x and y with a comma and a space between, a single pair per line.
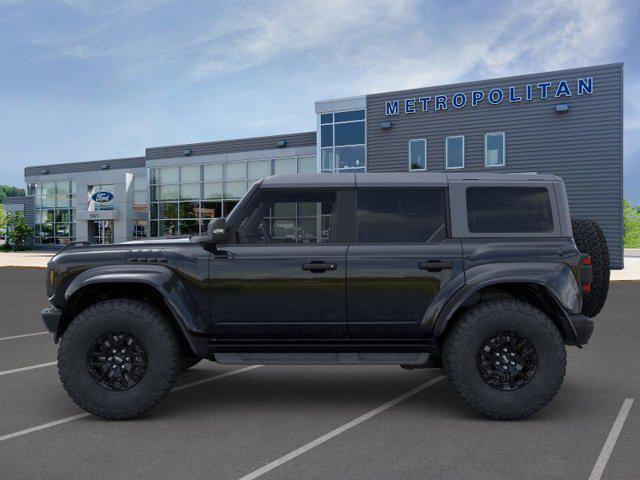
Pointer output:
399, 262
283, 274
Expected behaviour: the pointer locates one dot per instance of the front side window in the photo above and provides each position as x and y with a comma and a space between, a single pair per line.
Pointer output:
454, 152
494, 150
509, 210
400, 215
342, 141
417, 155
289, 217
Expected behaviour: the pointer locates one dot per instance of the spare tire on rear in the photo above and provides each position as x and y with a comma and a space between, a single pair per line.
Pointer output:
590, 240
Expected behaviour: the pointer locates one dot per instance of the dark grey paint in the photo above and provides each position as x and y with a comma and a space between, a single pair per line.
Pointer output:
75, 167
583, 145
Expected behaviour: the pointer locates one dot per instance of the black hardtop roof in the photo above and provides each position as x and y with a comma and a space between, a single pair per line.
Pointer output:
406, 179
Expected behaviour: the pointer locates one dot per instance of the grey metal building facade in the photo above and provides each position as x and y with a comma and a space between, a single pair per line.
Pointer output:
568, 123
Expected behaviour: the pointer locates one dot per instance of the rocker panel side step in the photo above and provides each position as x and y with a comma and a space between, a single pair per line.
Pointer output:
323, 358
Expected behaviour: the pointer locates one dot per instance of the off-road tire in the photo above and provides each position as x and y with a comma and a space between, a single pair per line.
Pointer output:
590, 239
155, 333
188, 362
470, 333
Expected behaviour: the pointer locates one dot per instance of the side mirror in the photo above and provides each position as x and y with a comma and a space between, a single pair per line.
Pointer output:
217, 230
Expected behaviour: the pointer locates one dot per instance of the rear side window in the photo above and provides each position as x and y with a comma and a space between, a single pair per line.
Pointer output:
509, 210
401, 215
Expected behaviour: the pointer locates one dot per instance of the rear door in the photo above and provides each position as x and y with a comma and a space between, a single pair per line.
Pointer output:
400, 260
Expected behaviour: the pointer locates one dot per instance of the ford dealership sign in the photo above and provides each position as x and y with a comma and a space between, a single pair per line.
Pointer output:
104, 196
493, 96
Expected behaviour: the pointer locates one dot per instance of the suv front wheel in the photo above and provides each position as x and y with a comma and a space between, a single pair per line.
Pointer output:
119, 358
505, 358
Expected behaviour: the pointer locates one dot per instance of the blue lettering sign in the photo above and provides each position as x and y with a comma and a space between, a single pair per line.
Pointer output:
476, 97
563, 89
441, 102
544, 86
425, 103
410, 105
392, 107
512, 95
459, 100
496, 96
585, 85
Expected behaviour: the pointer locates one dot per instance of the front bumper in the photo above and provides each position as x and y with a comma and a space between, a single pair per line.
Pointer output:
583, 327
51, 318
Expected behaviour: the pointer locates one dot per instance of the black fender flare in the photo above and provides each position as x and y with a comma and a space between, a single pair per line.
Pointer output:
556, 279
189, 317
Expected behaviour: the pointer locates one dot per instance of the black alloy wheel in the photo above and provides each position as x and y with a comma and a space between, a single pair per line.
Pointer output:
117, 361
507, 361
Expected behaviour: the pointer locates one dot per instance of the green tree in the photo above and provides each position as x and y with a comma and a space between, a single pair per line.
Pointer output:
631, 224
10, 191
3, 218
18, 232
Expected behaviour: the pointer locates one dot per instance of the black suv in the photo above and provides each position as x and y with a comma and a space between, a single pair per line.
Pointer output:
475, 273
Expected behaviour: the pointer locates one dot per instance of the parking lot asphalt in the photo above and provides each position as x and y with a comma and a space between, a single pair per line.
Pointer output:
316, 422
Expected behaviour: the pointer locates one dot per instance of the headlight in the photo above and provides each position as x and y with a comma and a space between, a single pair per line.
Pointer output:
52, 277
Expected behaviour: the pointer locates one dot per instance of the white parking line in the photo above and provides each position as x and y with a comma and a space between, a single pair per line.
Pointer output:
601, 463
22, 336
86, 414
339, 430
30, 367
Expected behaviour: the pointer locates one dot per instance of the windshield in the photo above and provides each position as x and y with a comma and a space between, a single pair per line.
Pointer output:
243, 202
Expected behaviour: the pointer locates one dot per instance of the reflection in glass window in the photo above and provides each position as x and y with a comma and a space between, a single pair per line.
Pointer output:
494, 150
289, 217
414, 215
454, 152
54, 215
342, 141
417, 155
184, 198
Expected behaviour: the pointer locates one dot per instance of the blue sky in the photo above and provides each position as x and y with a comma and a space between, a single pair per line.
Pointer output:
82, 80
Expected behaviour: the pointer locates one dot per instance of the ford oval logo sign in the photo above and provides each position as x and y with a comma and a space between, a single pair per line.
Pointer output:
104, 196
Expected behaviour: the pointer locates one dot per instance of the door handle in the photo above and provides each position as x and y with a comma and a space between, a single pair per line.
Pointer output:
318, 266
435, 266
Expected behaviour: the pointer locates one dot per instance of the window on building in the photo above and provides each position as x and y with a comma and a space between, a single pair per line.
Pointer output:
140, 229
54, 201
454, 151
184, 198
342, 141
417, 155
509, 210
140, 190
400, 215
494, 150
289, 217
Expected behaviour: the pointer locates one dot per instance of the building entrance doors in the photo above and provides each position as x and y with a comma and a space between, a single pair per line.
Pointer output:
101, 232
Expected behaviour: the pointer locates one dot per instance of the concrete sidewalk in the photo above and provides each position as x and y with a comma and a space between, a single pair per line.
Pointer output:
39, 259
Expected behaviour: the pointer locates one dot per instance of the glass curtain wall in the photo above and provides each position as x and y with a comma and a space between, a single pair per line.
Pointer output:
55, 213
342, 141
184, 198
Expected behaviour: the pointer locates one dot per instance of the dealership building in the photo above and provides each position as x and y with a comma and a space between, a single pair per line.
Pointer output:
568, 123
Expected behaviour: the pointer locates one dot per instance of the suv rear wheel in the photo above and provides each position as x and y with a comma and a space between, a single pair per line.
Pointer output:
505, 358
119, 358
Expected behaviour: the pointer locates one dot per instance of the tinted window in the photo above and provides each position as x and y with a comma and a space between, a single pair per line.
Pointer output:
401, 216
349, 133
417, 154
350, 116
509, 210
289, 217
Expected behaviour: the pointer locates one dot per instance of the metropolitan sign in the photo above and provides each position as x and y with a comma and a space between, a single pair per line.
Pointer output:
493, 96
